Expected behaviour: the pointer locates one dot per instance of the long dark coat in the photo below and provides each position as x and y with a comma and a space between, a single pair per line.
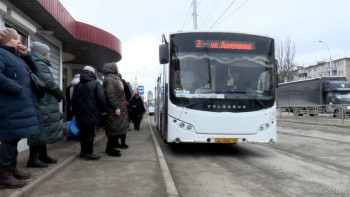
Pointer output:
136, 109
115, 96
88, 100
48, 105
19, 113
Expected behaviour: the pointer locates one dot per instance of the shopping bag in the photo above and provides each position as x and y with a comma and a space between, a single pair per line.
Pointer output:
72, 128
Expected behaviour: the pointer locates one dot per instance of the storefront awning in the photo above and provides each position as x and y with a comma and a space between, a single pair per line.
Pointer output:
88, 44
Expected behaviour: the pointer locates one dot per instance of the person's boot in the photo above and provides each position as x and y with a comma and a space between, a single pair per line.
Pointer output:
18, 174
110, 149
137, 126
44, 157
114, 153
116, 144
9, 181
92, 157
123, 144
33, 161
112, 143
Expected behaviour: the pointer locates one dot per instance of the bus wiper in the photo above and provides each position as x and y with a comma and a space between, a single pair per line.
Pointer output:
195, 103
249, 94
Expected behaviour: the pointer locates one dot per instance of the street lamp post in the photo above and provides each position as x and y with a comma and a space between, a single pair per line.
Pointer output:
330, 57
136, 84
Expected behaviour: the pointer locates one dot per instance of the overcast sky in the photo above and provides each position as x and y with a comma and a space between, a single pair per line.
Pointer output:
140, 24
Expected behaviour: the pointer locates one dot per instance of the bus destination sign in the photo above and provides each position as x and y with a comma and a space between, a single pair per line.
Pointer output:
223, 44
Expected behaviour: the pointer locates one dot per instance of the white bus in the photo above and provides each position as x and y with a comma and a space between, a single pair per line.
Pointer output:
216, 87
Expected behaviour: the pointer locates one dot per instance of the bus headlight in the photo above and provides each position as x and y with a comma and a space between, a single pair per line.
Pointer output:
263, 127
183, 125
189, 127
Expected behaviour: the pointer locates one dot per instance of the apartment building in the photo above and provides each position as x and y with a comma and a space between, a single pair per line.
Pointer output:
338, 68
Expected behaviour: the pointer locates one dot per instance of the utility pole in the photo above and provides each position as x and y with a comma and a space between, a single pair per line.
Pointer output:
330, 58
194, 3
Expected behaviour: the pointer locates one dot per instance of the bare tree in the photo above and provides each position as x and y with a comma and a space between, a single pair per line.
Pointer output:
285, 52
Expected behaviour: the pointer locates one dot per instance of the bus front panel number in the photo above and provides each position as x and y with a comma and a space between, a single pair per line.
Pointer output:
226, 140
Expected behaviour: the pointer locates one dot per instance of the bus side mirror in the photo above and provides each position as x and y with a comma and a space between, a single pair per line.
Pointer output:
276, 73
163, 54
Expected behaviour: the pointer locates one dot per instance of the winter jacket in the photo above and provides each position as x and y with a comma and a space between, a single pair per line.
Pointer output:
88, 100
115, 96
136, 109
48, 105
19, 112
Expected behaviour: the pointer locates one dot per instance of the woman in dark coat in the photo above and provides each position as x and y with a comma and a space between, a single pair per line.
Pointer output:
116, 122
88, 106
136, 110
49, 109
19, 113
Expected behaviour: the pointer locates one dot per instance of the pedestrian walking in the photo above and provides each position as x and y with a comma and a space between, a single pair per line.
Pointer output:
69, 95
116, 122
49, 108
88, 107
136, 110
19, 113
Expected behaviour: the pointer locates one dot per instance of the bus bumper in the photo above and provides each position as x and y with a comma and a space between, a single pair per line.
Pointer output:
184, 135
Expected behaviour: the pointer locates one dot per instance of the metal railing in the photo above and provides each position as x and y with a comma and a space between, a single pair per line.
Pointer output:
316, 111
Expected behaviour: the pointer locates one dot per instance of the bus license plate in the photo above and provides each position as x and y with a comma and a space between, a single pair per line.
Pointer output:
226, 140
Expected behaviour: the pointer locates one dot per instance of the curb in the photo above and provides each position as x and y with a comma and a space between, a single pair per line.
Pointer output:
170, 187
26, 191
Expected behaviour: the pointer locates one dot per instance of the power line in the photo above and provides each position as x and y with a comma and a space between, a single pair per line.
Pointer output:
188, 14
232, 13
211, 11
222, 14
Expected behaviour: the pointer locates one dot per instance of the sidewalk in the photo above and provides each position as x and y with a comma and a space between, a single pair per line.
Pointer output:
141, 161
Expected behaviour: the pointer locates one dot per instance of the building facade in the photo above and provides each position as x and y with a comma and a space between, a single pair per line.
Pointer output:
73, 44
338, 68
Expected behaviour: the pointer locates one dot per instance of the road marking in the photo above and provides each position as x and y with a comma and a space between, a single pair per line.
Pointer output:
170, 187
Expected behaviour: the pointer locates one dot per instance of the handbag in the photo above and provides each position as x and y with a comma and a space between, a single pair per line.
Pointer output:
72, 128
37, 84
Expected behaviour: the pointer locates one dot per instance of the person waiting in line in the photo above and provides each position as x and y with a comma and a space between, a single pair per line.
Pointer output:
88, 107
136, 110
127, 93
19, 113
69, 95
49, 108
116, 122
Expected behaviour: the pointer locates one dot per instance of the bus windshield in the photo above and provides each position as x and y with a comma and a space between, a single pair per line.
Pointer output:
221, 73
223, 67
